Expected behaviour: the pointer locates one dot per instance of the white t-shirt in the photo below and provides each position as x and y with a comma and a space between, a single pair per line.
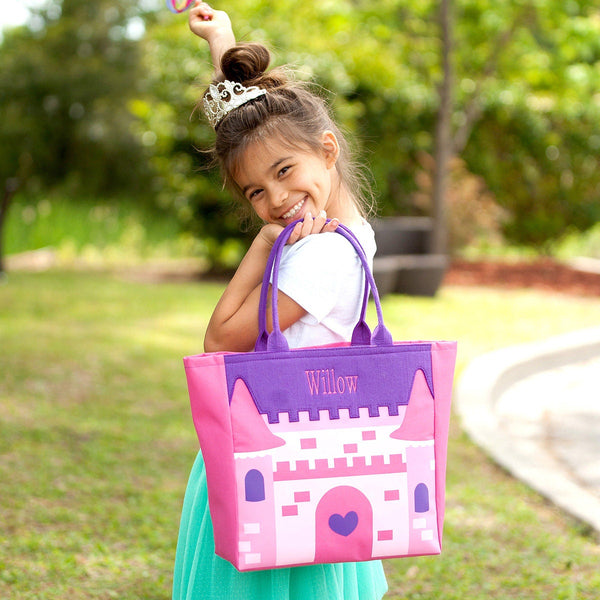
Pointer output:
324, 275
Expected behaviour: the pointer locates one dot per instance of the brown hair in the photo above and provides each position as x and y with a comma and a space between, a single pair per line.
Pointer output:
289, 110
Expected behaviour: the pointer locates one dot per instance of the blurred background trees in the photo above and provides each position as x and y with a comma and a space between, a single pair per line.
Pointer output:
64, 93
98, 99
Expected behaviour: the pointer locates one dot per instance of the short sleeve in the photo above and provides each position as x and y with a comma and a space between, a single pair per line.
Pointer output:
314, 271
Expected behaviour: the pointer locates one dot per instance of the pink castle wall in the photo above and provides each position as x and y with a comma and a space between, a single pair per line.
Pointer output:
363, 453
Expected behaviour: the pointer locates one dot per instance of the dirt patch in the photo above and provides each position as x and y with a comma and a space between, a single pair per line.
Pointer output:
543, 274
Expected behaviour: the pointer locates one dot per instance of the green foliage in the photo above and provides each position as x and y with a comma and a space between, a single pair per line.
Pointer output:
99, 227
365, 94
64, 87
535, 143
474, 218
576, 244
522, 119
175, 136
554, 161
109, 232
85, 104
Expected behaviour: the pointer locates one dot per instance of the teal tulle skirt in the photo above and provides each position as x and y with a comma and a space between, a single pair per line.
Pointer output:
202, 575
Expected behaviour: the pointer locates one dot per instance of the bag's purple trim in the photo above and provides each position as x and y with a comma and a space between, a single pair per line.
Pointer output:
314, 379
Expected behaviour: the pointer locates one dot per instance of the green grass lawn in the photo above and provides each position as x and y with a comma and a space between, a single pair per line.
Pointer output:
96, 442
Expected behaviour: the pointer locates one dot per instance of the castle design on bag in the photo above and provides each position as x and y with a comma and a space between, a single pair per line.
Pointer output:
329, 474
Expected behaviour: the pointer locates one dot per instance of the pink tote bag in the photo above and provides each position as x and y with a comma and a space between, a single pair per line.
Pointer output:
326, 454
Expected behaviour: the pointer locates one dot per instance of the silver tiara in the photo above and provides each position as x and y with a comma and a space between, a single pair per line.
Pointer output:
222, 98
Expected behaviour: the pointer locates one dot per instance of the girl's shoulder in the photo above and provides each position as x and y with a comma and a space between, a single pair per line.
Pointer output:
332, 247
366, 236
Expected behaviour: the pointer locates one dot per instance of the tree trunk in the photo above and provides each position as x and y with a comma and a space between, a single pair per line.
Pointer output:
443, 140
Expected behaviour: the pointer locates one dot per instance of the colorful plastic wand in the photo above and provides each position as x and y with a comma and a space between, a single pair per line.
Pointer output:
179, 6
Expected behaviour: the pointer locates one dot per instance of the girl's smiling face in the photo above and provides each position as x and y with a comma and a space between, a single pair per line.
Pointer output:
284, 182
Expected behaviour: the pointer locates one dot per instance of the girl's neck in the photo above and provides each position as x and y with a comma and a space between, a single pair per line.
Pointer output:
342, 206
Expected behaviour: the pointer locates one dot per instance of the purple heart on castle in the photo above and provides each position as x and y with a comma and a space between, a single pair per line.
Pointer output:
343, 525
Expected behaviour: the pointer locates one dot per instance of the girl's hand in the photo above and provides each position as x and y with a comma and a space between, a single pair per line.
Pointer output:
310, 225
209, 24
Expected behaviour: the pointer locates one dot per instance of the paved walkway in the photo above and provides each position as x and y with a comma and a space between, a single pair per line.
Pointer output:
536, 410
560, 411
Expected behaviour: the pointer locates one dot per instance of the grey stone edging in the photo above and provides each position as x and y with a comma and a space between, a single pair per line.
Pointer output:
482, 384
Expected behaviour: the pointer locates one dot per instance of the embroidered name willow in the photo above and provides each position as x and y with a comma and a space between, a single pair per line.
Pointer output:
325, 382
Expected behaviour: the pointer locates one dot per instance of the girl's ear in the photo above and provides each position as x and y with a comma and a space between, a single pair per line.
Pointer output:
331, 148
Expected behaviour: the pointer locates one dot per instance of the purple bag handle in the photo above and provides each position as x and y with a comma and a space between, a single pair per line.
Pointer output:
361, 335
263, 336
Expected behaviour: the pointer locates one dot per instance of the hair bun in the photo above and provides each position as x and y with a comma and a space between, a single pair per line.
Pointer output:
245, 63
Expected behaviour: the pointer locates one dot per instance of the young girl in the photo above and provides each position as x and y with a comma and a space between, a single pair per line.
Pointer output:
280, 151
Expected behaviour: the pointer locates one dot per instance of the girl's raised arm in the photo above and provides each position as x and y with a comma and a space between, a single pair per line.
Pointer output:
214, 26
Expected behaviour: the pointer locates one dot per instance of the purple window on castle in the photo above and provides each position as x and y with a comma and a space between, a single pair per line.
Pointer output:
255, 486
421, 498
